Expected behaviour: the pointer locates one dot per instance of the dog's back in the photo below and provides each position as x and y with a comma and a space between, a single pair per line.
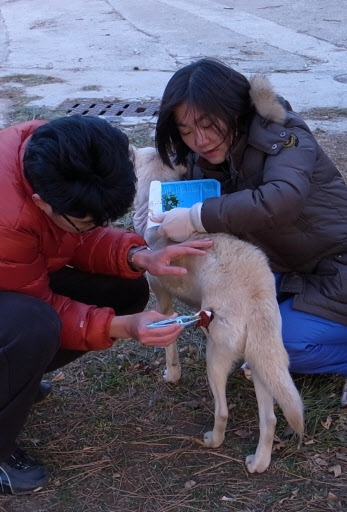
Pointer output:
235, 282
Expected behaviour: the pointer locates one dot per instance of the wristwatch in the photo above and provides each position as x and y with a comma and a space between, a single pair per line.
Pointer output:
130, 256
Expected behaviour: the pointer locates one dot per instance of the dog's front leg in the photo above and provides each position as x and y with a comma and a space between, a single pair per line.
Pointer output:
173, 367
172, 373
259, 462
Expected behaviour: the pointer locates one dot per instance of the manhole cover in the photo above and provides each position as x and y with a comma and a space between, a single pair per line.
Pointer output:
115, 110
341, 78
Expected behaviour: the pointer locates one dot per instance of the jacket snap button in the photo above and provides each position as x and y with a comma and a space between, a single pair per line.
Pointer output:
274, 146
282, 134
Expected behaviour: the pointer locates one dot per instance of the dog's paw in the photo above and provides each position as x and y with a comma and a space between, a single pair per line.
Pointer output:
211, 440
254, 465
172, 374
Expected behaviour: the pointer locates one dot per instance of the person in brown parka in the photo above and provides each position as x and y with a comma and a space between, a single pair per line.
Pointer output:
280, 191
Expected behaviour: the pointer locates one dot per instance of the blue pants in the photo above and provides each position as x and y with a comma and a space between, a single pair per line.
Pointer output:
314, 344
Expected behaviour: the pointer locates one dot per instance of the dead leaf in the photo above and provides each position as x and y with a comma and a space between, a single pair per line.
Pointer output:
326, 424
198, 441
288, 431
341, 436
35, 442
336, 470
59, 376
190, 484
341, 456
332, 498
192, 404
225, 498
278, 446
289, 498
242, 433
320, 461
311, 441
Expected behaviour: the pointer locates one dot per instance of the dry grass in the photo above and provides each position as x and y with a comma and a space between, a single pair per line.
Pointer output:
117, 438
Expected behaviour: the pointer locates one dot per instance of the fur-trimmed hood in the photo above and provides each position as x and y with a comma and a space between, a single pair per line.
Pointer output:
265, 100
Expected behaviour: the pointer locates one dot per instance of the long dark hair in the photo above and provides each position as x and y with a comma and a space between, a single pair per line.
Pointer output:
216, 91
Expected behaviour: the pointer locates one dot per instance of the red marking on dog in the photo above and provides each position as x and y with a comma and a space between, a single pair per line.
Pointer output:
206, 317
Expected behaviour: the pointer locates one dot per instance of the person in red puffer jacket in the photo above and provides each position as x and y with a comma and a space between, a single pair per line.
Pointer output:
69, 281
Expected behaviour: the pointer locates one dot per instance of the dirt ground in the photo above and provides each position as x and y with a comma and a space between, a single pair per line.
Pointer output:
118, 439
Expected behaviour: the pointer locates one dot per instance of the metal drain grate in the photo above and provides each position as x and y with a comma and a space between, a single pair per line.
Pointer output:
116, 109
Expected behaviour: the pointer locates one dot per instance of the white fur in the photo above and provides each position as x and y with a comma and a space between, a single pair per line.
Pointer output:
265, 101
235, 282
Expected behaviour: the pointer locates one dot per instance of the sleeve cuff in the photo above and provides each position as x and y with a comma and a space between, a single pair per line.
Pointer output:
195, 217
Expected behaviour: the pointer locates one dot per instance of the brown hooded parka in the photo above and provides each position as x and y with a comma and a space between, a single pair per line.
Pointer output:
282, 193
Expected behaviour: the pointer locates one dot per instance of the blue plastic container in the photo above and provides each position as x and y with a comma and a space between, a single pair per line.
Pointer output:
184, 194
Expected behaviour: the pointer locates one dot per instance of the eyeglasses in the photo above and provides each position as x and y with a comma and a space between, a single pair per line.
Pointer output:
80, 231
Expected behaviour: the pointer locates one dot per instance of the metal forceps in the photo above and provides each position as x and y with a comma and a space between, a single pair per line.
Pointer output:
184, 320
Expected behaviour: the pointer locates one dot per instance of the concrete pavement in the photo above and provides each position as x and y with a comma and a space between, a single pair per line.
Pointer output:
128, 49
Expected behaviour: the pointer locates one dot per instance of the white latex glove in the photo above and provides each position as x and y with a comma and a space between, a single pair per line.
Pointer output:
179, 223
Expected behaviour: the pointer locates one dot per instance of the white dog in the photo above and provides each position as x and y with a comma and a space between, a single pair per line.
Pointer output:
235, 282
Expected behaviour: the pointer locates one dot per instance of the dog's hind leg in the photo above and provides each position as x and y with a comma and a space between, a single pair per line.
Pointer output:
259, 462
219, 363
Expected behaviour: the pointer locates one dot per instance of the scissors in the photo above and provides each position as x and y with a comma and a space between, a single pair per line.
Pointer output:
184, 320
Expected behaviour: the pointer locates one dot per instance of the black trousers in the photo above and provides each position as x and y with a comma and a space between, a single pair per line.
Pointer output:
30, 338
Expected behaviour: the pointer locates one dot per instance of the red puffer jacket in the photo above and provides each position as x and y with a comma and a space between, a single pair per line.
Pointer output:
32, 246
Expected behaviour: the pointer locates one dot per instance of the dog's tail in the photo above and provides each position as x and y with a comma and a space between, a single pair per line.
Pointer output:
266, 354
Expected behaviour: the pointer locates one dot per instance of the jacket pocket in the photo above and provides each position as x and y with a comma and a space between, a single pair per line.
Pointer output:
333, 278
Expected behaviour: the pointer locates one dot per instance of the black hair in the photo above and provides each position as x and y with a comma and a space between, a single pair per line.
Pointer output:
80, 165
215, 90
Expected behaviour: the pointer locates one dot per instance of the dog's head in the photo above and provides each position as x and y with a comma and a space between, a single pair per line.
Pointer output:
149, 167
148, 163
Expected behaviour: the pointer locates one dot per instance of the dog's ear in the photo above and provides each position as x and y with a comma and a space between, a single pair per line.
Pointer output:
180, 170
144, 155
132, 153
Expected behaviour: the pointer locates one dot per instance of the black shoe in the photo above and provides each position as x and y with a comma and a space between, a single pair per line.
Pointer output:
20, 474
44, 391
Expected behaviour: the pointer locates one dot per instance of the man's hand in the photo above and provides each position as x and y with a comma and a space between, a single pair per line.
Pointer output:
158, 263
179, 224
135, 326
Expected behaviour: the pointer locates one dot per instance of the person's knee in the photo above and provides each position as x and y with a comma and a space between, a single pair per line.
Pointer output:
302, 356
48, 332
140, 296
45, 326
30, 327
